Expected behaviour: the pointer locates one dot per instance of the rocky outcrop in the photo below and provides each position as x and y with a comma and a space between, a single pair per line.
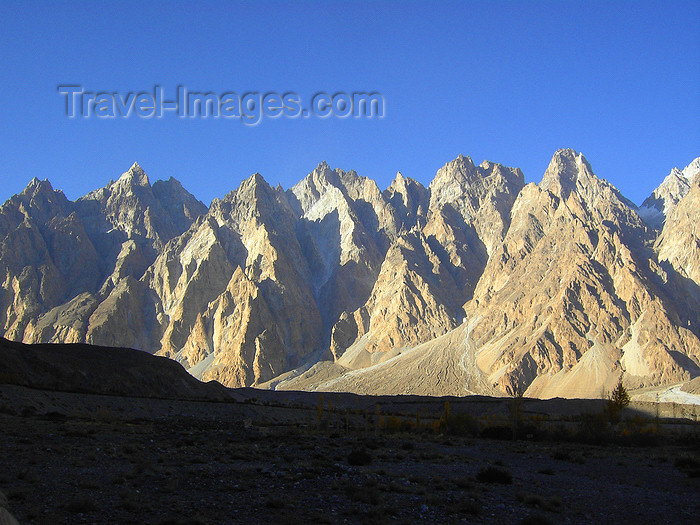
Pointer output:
410, 303
476, 284
569, 300
483, 195
343, 229
234, 292
679, 242
71, 270
664, 199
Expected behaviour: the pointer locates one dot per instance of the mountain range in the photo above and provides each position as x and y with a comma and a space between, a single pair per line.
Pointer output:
476, 284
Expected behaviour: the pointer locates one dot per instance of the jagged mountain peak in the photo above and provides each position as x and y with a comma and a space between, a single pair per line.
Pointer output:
679, 241
461, 170
569, 173
461, 173
35, 183
135, 176
411, 194
171, 181
36, 186
488, 168
567, 170
399, 180
132, 183
691, 169
181, 205
556, 279
253, 198
463, 159
171, 187
324, 174
321, 177
248, 188
255, 187
668, 194
322, 166
308, 191
255, 179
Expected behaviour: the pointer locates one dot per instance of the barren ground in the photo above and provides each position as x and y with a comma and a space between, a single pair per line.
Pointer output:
184, 462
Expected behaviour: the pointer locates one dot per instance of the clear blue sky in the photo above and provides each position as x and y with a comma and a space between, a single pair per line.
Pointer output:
509, 82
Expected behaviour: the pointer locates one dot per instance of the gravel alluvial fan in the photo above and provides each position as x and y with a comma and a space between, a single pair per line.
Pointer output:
478, 283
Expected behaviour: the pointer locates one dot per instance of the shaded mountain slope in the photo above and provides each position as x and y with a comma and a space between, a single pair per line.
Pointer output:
100, 370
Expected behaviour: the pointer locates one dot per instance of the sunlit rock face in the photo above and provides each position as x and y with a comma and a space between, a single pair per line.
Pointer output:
476, 284
574, 296
72, 271
657, 207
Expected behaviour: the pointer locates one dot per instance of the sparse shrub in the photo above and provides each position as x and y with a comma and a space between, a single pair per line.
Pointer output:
461, 425
685, 462
494, 475
129, 500
559, 433
463, 483
418, 479
18, 495
593, 428
555, 504
639, 432
390, 424
12, 378
28, 411
372, 444
104, 415
359, 457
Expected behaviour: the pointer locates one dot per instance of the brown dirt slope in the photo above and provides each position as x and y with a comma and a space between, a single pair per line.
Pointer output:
100, 370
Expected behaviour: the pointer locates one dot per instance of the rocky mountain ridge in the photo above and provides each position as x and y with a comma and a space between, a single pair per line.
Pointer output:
478, 283
663, 199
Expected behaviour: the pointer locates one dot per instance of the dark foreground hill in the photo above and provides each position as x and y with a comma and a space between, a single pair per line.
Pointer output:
92, 369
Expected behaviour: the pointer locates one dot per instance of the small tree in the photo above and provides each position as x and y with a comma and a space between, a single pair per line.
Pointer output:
619, 399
